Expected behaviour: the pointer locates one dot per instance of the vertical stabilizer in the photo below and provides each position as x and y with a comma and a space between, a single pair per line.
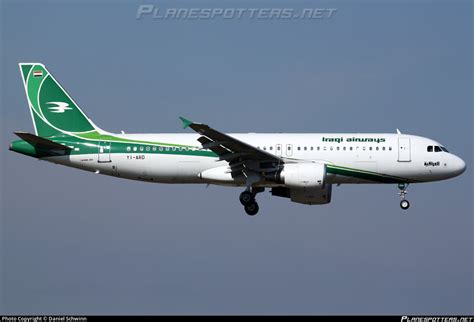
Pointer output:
54, 112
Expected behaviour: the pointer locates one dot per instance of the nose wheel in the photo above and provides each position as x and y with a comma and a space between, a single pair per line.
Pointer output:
404, 204
247, 199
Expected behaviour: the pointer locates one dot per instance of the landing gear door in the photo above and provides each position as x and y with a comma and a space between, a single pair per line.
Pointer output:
404, 154
104, 151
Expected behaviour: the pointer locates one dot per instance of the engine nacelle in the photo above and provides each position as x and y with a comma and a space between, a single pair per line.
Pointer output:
304, 183
304, 195
304, 175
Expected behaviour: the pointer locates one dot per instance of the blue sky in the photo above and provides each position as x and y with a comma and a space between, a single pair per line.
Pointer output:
73, 242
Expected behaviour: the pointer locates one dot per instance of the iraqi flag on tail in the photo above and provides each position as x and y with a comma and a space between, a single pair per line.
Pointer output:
37, 73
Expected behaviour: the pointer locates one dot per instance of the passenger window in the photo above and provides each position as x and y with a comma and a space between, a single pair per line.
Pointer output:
350, 148
437, 148
311, 148
337, 148
430, 148
383, 148
377, 148
390, 148
299, 148
271, 148
305, 148
318, 148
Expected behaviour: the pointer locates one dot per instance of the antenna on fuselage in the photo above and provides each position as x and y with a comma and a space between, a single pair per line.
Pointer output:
398, 131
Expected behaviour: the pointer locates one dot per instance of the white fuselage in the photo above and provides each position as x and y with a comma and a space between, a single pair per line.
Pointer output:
397, 155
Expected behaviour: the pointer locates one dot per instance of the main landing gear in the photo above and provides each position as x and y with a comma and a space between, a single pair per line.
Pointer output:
404, 204
247, 199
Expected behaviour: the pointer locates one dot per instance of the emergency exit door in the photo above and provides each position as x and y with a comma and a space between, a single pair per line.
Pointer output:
278, 150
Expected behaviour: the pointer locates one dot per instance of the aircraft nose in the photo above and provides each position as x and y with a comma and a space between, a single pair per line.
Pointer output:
459, 166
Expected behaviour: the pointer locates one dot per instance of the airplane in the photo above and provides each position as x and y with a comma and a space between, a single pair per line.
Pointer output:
300, 167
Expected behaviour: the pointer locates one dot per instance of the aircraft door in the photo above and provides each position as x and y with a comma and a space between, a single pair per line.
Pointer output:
104, 151
404, 153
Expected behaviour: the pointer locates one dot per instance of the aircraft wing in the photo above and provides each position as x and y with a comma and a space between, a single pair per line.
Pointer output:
240, 155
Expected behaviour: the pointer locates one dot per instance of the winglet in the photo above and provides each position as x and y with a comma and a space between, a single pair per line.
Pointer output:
186, 123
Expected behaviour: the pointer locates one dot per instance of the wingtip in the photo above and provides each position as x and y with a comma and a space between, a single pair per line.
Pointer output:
186, 122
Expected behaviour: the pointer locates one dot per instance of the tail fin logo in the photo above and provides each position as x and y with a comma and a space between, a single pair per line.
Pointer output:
60, 107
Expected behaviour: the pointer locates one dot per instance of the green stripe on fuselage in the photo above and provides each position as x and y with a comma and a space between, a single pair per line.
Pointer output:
81, 146
366, 175
94, 135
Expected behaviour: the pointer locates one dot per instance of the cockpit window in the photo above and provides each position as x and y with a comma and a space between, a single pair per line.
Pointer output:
444, 149
430, 148
437, 148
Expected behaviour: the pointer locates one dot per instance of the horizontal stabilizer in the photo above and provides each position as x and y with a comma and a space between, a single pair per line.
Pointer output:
40, 142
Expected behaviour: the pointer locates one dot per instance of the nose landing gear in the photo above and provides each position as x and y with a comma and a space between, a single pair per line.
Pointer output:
404, 204
247, 199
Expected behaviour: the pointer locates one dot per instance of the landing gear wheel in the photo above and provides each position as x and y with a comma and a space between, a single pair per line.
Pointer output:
251, 209
404, 204
246, 198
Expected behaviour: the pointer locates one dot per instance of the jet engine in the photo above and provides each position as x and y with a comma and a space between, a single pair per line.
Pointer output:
304, 183
303, 175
